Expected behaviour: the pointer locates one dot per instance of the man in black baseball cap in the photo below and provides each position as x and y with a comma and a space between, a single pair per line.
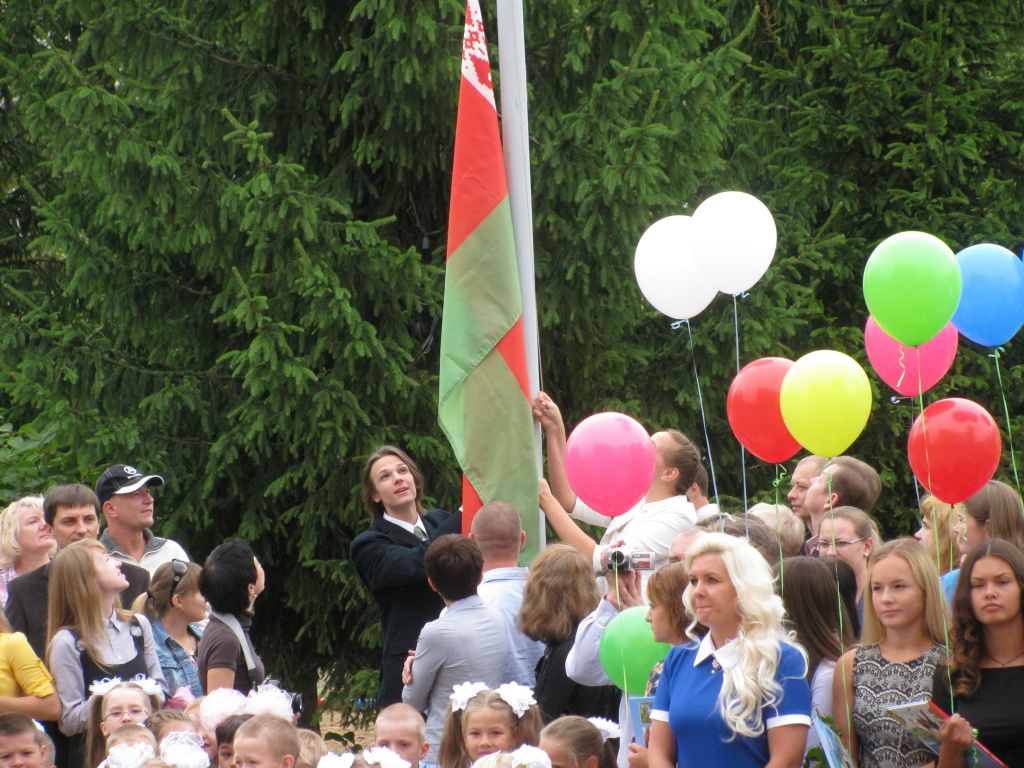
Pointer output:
127, 506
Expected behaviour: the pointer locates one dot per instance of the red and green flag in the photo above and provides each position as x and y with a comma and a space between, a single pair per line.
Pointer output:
484, 400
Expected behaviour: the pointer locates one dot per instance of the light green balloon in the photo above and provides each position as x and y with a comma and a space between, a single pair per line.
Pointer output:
912, 286
629, 652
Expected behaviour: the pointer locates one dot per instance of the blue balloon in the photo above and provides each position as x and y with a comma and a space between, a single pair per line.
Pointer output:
991, 309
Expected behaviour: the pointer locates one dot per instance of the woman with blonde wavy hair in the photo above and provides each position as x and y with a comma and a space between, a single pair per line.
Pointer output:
26, 541
901, 646
739, 696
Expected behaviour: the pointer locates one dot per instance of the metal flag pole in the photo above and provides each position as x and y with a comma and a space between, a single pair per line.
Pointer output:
515, 138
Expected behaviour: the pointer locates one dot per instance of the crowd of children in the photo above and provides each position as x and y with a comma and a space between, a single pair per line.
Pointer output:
485, 728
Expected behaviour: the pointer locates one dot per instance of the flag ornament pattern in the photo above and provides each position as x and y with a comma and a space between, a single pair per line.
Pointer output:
484, 397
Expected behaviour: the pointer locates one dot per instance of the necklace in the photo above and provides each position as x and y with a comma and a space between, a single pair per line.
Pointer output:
1001, 664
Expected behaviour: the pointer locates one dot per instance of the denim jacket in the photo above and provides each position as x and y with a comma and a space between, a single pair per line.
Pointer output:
179, 671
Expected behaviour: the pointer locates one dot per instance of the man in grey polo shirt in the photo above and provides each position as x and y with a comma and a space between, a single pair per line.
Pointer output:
127, 506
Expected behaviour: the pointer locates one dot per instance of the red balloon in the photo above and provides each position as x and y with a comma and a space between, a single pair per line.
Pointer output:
754, 411
954, 449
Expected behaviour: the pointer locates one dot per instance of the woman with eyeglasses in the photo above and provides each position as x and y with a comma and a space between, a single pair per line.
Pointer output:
90, 638
849, 534
174, 604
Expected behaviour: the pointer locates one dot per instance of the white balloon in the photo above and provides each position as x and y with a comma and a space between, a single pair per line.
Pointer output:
734, 240
667, 272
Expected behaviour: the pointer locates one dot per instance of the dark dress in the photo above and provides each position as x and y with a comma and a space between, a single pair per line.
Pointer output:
71, 749
389, 560
558, 695
877, 684
994, 710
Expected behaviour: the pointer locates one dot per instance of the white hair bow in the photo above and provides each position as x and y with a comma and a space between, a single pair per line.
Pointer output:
217, 706
149, 686
331, 760
463, 692
184, 749
129, 755
608, 728
519, 697
269, 700
384, 757
528, 756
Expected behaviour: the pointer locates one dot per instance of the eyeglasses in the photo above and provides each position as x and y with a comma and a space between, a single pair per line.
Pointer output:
180, 569
838, 545
136, 713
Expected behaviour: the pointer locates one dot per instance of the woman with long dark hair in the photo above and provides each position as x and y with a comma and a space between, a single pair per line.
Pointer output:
987, 664
808, 590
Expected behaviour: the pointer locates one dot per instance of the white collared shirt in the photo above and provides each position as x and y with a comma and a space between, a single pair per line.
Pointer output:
727, 656
410, 527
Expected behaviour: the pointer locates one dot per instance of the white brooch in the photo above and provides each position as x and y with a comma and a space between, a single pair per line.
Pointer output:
331, 760
384, 757
608, 728
519, 697
528, 756
463, 692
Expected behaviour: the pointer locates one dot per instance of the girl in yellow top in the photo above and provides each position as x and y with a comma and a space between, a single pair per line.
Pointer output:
26, 687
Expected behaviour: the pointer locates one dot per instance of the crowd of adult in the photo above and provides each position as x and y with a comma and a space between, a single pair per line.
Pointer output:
773, 616
105, 632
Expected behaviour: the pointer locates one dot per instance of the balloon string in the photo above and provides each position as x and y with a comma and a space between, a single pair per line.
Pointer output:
928, 466
780, 472
839, 595
917, 491
622, 634
703, 417
1006, 411
743, 453
903, 368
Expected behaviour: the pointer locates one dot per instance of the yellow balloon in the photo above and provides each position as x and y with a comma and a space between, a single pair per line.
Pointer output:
826, 401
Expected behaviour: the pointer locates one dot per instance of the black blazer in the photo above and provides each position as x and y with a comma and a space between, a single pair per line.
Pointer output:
27, 597
389, 560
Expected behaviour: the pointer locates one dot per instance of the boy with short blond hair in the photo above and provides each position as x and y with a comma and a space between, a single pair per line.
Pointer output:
21, 742
401, 729
266, 741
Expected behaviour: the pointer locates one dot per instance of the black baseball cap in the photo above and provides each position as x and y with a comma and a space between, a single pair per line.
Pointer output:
122, 478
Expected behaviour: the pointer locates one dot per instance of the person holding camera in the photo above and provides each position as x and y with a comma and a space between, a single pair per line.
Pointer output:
560, 592
646, 530
231, 580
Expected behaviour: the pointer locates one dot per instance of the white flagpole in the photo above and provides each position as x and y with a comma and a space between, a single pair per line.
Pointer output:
515, 139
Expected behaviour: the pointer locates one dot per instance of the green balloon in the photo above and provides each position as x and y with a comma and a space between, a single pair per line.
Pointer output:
912, 286
628, 651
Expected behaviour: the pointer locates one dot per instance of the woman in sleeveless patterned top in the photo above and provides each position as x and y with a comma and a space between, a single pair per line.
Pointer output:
901, 645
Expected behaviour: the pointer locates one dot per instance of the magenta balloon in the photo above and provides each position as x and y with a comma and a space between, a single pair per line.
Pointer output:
609, 460
897, 364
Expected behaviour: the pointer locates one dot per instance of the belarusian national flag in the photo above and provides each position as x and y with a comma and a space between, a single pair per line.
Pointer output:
484, 403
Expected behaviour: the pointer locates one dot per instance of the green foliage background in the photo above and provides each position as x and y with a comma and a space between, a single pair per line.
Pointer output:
223, 226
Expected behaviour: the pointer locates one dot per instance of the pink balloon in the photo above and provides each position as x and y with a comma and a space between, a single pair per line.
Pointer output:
897, 364
609, 460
